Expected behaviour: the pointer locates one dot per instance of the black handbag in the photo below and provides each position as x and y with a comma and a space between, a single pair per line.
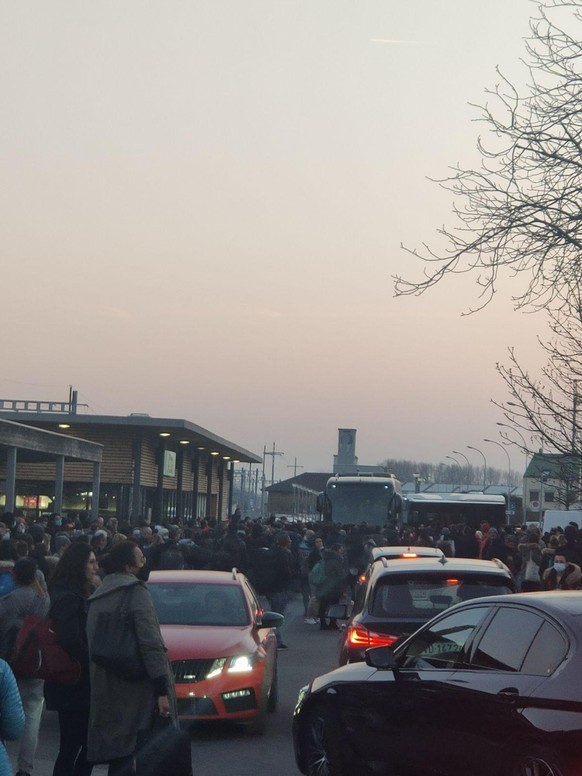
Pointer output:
114, 645
163, 749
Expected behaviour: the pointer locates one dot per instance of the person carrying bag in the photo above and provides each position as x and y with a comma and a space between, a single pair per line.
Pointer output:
121, 705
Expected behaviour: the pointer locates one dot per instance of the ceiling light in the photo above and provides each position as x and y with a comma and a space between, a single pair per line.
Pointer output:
64, 425
165, 433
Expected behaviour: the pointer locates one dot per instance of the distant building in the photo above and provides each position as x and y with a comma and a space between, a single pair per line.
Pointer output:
346, 460
296, 496
551, 481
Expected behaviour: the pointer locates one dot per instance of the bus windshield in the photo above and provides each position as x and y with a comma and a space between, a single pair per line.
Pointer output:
360, 501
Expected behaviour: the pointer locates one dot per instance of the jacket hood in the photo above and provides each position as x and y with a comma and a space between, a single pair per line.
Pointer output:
114, 582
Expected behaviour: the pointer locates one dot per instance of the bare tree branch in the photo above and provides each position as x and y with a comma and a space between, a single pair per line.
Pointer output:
520, 212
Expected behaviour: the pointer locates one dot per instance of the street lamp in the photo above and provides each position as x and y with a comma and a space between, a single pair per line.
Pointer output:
470, 447
457, 452
460, 468
520, 435
494, 442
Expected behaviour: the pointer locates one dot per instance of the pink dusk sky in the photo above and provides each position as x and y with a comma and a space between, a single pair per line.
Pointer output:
203, 203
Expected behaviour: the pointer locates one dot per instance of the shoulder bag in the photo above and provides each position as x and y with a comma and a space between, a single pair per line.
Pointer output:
532, 570
114, 646
163, 749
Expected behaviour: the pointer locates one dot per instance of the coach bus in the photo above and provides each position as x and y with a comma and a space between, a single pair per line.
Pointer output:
443, 509
362, 498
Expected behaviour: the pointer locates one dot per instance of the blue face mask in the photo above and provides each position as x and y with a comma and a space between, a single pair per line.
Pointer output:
58, 522
560, 567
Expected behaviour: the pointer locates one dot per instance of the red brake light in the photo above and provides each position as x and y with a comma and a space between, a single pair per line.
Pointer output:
452, 581
361, 637
362, 578
409, 555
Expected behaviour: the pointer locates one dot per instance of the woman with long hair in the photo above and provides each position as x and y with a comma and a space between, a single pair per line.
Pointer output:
70, 587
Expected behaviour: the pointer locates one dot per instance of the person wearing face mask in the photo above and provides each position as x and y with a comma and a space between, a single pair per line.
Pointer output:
562, 575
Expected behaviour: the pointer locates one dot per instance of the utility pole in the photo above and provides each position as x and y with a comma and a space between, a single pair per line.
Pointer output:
272, 453
294, 466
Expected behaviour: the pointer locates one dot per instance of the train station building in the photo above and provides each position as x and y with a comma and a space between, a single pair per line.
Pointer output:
132, 467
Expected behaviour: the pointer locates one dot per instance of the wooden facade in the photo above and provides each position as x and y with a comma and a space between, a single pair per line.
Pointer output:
134, 485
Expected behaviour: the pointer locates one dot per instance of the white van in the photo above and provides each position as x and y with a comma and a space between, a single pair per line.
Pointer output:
561, 517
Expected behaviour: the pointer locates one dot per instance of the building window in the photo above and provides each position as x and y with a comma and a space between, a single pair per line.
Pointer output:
548, 496
534, 495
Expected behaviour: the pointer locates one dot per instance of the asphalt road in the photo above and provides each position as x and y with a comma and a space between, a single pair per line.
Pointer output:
220, 749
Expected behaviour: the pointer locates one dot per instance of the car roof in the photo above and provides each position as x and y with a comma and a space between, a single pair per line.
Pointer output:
196, 577
397, 550
563, 604
441, 565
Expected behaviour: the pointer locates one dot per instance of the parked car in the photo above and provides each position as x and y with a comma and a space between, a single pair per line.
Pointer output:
490, 686
221, 645
397, 596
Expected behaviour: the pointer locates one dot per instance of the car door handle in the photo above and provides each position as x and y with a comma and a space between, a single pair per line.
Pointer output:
509, 692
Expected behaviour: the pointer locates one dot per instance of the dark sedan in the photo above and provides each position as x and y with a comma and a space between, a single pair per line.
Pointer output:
490, 686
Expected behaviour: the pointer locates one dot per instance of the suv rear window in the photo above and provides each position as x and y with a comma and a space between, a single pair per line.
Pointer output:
424, 595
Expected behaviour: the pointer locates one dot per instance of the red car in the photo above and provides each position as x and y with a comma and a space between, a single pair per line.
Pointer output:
221, 645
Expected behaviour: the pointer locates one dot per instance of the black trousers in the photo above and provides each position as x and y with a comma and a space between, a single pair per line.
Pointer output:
72, 757
324, 603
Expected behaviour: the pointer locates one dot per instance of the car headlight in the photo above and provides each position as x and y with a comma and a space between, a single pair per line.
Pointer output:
216, 668
303, 694
241, 664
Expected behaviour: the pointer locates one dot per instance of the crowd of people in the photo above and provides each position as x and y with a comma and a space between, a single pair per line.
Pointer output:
72, 569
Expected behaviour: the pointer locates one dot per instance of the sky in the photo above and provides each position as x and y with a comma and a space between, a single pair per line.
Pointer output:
203, 206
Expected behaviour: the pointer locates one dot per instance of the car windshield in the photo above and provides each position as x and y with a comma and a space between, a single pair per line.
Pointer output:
422, 596
199, 604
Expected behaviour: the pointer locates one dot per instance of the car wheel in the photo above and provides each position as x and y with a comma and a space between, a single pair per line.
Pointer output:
537, 763
324, 751
274, 692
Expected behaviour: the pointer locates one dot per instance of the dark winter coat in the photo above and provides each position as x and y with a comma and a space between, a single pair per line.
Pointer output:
570, 579
69, 616
120, 708
335, 576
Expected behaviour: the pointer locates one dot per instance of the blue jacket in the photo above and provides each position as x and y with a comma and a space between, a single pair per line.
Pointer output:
11, 714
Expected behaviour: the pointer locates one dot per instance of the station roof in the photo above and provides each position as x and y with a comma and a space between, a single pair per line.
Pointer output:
178, 430
37, 445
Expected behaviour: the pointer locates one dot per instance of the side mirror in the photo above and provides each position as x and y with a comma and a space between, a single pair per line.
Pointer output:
337, 611
381, 658
270, 620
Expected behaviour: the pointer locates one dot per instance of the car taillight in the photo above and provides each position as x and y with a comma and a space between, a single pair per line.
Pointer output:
361, 637
409, 555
